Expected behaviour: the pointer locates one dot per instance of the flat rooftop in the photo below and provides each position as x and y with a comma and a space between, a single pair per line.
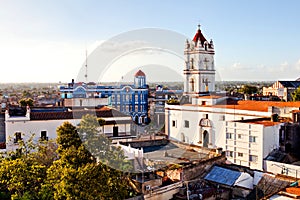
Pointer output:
177, 153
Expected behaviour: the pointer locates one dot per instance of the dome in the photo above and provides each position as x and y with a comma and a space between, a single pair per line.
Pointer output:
139, 73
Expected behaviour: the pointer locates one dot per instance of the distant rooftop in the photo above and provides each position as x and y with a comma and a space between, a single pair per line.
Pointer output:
252, 105
103, 112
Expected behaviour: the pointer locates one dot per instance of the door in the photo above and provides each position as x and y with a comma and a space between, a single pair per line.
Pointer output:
205, 138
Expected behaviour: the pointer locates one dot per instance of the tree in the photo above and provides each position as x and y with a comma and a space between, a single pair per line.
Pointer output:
99, 145
77, 174
22, 173
65, 170
296, 95
26, 102
248, 89
22, 176
26, 94
173, 101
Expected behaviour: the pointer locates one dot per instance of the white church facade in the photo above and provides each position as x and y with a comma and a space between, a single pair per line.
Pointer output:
209, 119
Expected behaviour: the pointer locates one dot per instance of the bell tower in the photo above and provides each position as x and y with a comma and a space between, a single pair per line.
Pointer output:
199, 71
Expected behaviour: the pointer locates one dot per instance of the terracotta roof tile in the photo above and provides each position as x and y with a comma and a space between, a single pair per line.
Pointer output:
77, 114
209, 97
139, 73
259, 105
265, 123
293, 190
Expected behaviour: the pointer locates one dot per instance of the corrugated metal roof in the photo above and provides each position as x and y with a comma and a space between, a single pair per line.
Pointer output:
290, 84
245, 180
222, 175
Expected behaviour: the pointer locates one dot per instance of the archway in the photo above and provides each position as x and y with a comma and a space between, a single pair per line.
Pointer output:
136, 119
205, 138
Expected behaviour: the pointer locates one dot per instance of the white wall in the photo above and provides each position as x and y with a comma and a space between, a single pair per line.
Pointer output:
277, 168
243, 145
29, 127
271, 141
194, 114
86, 102
267, 137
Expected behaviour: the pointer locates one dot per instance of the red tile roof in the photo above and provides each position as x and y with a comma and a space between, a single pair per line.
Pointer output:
293, 190
139, 73
210, 97
259, 105
265, 123
199, 36
103, 112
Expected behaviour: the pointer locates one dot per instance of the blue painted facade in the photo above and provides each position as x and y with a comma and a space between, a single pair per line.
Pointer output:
128, 99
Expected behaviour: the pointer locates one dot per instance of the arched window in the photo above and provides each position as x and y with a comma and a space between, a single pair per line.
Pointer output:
192, 83
192, 63
205, 138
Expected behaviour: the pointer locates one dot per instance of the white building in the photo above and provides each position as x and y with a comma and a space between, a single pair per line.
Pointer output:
282, 89
205, 116
248, 142
43, 123
199, 68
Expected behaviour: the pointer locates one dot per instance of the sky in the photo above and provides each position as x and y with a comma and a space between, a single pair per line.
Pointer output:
46, 41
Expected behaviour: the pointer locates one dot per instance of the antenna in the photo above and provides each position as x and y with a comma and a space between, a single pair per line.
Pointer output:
86, 76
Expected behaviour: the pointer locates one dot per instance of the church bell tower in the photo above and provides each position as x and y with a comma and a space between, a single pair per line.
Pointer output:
199, 71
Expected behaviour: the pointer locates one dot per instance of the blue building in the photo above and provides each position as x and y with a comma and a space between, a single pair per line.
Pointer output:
128, 99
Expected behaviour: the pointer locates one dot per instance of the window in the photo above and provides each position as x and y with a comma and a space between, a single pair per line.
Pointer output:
222, 117
229, 135
44, 135
206, 116
127, 98
18, 137
229, 153
253, 158
174, 123
252, 139
240, 154
186, 124
239, 136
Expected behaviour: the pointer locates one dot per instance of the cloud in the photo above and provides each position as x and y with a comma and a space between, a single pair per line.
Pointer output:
239, 66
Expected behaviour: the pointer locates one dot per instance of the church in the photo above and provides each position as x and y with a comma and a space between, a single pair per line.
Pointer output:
210, 119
